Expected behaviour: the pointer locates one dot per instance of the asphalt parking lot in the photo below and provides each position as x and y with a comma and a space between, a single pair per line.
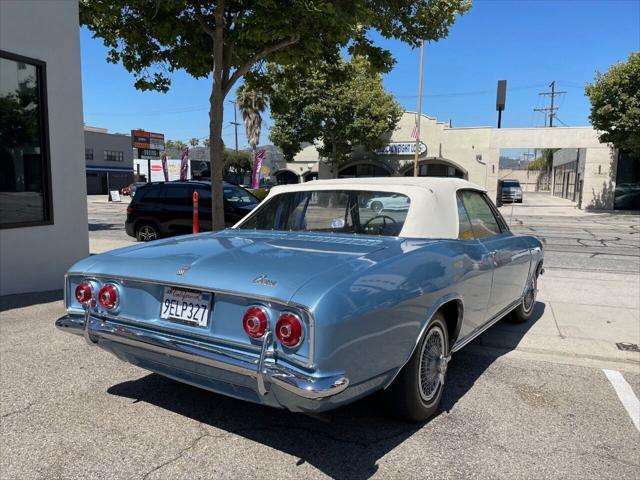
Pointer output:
527, 401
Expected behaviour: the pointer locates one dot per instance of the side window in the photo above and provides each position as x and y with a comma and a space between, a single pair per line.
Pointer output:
149, 194
465, 232
179, 195
483, 221
501, 221
204, 197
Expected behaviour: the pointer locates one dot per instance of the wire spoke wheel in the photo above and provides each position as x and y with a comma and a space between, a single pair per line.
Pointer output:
432, 364
529, 297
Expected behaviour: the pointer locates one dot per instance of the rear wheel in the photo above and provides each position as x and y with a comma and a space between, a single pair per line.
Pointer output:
525, 309
416, 392
376, 206
146, 232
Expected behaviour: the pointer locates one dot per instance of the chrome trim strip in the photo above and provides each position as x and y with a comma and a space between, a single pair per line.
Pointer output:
305, 386
464, 341
309, 364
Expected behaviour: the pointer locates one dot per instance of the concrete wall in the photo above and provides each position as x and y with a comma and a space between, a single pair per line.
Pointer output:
36, 258
528, 178
476, 151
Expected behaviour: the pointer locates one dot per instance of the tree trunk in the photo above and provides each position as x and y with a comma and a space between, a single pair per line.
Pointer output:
216, 105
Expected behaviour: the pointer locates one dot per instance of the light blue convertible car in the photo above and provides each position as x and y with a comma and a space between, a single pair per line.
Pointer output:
314, 300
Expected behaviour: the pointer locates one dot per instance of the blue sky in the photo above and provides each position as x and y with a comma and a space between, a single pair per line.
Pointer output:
527, 42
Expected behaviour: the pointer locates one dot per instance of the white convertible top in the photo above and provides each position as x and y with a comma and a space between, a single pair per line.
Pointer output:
433, 212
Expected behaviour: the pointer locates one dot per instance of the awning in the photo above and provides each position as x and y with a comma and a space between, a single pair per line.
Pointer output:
101, 169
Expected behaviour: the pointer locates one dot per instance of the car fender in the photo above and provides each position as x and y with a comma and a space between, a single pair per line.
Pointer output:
435, 307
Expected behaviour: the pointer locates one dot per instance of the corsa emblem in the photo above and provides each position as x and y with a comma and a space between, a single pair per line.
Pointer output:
264, 280
182, 270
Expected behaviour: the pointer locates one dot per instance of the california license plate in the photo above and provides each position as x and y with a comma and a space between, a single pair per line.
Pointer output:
186, 306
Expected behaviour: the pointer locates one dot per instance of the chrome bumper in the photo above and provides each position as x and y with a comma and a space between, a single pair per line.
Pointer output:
264, 369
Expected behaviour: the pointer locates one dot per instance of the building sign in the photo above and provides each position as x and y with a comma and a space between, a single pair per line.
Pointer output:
401, 148
149, 144
148, 153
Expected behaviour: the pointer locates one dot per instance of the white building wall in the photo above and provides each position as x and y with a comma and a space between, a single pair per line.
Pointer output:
476, 151
36, 258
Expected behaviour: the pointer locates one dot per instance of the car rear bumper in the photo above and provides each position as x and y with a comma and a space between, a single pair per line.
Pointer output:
129, 228
238, 374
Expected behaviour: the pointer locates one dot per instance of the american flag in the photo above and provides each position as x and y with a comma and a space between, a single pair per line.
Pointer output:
414, 132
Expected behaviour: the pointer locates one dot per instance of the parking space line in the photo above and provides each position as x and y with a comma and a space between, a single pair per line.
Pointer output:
625, 394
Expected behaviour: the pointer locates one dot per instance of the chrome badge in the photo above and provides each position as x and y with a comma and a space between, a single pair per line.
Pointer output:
182, 270
264, 280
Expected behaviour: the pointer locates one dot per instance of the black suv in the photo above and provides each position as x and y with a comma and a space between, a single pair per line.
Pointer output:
166, 208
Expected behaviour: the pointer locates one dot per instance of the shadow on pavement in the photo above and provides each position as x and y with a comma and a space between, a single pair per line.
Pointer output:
96, 227
9, 302
347, 446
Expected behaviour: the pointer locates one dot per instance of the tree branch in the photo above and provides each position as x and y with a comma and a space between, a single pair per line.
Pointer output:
244, 68
203, 22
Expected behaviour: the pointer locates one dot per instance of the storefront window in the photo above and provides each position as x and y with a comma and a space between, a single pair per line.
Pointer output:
24, 156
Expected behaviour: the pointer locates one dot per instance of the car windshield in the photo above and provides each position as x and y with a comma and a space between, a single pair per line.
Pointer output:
336, 211
238, 196
511, 183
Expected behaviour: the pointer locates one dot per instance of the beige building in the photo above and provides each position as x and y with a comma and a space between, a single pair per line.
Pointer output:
470, 153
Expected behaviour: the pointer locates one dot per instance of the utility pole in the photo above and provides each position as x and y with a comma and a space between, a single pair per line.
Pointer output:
235, 121
551, 110
415, 158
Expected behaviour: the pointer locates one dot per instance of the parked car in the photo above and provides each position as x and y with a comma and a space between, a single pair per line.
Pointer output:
131, 188
166, 208
389, 202
313, 301
509, 191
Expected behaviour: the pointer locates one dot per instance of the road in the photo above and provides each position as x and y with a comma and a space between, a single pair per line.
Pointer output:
528, 401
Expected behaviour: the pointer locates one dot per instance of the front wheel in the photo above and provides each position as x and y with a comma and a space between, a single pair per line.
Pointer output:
416, 392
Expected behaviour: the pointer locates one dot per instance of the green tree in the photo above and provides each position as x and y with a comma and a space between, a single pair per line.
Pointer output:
194, 142
543, 162
334, 104
236, 165
615, 104
251, 105
177, 144
224, 39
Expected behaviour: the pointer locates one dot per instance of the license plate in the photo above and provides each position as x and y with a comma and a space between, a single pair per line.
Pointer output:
185, 306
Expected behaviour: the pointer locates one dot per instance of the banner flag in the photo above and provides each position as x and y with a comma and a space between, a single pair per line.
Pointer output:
184, 164
165, 169
257, 167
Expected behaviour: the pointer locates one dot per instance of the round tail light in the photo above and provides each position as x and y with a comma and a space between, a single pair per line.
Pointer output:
255, 322
289, 330
84, 293
108, 296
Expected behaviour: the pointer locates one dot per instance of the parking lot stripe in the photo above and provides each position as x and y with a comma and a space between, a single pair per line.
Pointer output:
626, 395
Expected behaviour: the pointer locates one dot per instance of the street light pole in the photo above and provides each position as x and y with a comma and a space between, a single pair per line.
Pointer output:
235, 121
419, 121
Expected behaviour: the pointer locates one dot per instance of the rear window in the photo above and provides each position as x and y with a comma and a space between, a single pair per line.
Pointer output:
335, 211
238, 196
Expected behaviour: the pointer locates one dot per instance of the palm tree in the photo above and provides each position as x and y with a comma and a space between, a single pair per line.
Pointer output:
194, 142
251, 105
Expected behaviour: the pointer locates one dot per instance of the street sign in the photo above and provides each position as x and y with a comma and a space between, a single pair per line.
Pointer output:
401, 148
